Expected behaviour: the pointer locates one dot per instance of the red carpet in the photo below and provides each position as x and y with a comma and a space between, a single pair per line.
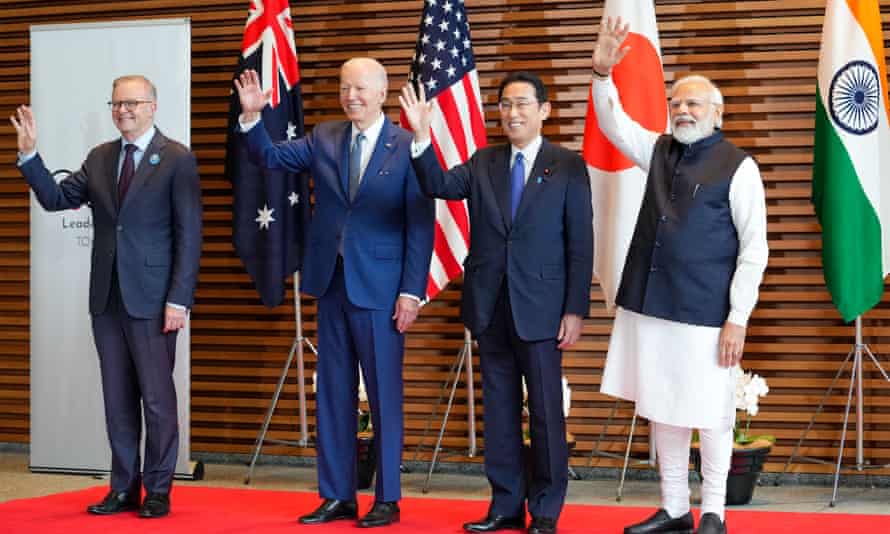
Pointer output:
198, 510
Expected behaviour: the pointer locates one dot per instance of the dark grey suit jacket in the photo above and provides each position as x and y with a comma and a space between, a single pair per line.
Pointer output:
154, 237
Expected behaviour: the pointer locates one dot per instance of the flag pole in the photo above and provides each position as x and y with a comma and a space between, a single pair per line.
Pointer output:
471, 395
301, 377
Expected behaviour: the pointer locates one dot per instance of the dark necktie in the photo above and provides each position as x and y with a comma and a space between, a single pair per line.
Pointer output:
517, 184
128, 169
355, 165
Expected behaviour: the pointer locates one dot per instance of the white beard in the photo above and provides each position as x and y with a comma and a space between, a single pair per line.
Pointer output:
696, 131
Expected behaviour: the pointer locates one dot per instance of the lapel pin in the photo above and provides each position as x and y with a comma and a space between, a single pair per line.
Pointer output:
546, 171
154, 159
388, 145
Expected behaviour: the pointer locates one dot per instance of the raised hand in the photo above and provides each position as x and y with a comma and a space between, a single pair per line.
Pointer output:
25, 129
251, 94
418, 111
608, 51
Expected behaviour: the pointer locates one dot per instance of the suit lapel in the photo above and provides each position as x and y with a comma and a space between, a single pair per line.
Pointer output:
151, 159
538, 178
382, 151
342, 180
111, 158
499, 174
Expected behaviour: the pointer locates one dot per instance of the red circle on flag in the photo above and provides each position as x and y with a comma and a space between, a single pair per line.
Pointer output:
640, 82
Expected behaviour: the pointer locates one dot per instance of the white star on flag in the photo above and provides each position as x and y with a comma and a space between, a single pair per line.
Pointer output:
294, 198
265, 217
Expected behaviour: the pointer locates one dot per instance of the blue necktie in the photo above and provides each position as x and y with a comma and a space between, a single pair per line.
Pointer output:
355, 165
517, 184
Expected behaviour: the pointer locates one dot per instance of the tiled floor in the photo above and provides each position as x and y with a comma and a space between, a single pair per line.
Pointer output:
17, 482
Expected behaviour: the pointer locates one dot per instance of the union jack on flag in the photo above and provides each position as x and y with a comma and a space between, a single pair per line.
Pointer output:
444, 64
269, 24
270, 207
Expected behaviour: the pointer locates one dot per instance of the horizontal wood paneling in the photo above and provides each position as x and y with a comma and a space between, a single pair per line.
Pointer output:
762, 53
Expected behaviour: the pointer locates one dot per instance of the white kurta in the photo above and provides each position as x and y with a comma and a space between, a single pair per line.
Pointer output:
670, 369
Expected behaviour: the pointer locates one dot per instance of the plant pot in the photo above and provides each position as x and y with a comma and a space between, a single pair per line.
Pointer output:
366, 459
747, 463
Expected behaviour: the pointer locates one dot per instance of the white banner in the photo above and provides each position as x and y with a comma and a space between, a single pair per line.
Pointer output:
72, 67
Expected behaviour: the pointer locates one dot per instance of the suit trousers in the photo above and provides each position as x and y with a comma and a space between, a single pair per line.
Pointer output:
349, 336
136, 360
505, 359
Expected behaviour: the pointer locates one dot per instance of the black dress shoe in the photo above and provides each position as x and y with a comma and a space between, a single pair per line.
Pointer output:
661, 522
330, 510
710, 524
155, 505
542, 525
494, 522
116, 502
381, 514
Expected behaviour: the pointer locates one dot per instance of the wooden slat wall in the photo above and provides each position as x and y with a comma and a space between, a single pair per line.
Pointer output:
762, 53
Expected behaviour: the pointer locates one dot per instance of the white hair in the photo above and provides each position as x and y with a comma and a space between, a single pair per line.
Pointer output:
716, 95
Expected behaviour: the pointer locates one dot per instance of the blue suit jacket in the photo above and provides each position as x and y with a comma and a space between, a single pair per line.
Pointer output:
387, 230
546, 254
154, 236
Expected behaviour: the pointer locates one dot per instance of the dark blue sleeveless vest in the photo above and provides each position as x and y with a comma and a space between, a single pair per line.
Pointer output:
683, 253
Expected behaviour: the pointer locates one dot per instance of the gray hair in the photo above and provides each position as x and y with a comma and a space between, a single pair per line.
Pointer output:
716, 95
136, 78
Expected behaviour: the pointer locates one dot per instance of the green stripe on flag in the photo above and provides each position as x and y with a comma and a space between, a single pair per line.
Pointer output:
851, 230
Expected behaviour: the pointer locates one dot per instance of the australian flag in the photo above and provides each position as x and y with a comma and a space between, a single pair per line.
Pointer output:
271, 208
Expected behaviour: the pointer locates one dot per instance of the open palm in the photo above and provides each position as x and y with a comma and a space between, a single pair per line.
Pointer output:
250, 92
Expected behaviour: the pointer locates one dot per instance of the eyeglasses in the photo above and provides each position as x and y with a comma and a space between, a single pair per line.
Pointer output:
127, 105
692, 104
521, 105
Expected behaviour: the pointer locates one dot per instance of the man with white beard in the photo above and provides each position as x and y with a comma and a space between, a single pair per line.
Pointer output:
689, 284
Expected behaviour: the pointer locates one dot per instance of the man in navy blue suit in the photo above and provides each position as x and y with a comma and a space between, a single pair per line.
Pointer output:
526, 289
146, 202
367, 259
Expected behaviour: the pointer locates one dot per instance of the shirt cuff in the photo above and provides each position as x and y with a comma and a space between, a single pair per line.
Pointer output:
738, 317
179, 307
247, 126
410, 296
418, 148
25, 158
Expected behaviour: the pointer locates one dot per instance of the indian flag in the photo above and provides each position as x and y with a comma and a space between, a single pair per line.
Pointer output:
851, 179
617, 185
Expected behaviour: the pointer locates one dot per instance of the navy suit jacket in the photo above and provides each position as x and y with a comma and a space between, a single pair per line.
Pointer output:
154, 237
546, 254
387, 230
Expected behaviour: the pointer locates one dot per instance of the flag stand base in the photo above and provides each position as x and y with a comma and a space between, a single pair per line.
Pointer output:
296, 349
464, 358
855, 355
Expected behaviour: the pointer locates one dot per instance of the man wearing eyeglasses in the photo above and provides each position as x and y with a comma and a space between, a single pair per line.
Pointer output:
526, 290
689, 284
145, 196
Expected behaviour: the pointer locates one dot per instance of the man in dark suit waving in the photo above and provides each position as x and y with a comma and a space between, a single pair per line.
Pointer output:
367, 259
526, 289
146, 200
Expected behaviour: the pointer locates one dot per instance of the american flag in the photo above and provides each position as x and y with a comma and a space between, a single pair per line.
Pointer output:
270, 207
444, 64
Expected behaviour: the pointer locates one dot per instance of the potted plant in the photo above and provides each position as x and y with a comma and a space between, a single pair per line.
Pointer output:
749, 450
366, 454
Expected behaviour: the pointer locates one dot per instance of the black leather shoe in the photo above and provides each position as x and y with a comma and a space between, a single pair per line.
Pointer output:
710, 524
662, 522
381, 514
330, 510
116, 502
155, 505
494, 522
542, 525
